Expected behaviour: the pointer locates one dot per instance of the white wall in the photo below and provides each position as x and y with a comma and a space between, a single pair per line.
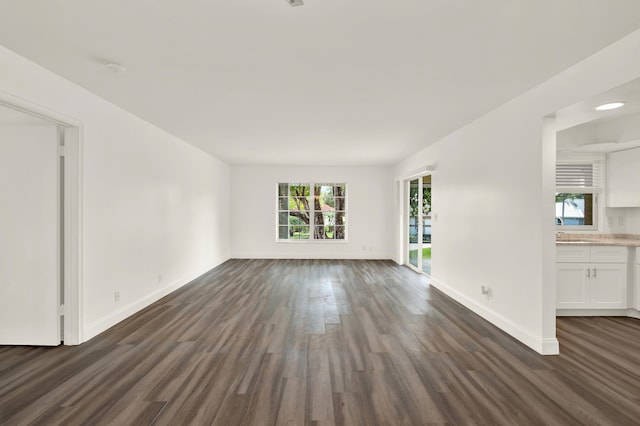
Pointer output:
155, 209
495, 204
370, 205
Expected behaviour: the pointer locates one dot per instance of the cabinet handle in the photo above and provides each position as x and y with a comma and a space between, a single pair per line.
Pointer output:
594, 273
588, 273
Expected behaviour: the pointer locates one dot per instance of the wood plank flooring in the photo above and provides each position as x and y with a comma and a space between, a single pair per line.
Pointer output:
320, 342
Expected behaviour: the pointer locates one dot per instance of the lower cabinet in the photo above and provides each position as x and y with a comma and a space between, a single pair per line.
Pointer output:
637, 304
571, 285
591, 285
608, 286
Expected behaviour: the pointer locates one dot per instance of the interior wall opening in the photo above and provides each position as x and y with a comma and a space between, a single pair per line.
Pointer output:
418, 213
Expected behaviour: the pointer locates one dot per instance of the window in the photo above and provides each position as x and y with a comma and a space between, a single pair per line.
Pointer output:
312, 211
574, 209
577, 189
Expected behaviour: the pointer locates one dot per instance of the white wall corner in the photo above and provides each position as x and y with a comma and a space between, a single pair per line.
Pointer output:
537, 343
633, 313
102, 324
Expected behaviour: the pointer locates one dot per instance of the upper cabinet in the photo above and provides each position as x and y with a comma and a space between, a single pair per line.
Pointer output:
623, 178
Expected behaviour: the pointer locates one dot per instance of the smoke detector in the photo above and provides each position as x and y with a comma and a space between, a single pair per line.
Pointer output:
115, 68
295, 2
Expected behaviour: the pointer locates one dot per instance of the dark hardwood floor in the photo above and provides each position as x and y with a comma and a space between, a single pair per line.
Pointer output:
296, 342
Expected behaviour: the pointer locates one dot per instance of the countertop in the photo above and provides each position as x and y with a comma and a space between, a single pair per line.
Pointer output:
624, 240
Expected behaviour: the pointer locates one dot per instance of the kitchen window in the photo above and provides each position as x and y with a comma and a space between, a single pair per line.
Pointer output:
312, 211
578, 185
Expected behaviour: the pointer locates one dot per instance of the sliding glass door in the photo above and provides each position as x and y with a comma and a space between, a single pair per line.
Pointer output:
419, 224
415, 230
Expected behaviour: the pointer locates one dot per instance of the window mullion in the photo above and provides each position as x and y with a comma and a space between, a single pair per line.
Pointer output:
289, 211
312, 212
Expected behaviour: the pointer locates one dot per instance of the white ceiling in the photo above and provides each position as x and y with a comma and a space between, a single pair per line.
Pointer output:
583, 113
338, 82
583, 129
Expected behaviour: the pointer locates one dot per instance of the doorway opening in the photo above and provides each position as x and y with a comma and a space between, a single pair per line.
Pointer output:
419, 239
40, 277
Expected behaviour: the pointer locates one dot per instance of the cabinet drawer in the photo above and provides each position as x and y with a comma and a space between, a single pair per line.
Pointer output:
575, 253
608, 254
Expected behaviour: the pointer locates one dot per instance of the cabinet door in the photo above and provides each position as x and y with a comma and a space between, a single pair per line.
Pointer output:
571, 285
608, 286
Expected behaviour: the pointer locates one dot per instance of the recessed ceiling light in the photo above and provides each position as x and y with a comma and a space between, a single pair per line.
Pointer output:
608, 106
295, 2
115, 68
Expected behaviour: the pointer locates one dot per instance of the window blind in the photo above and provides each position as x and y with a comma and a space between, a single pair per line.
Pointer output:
579, 175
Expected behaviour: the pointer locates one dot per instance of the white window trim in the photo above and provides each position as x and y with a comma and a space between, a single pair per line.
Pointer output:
596, 206
312, 215
597, 189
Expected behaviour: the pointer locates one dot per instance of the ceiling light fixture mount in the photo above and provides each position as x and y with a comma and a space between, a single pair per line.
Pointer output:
293, 3
609, 106
115, 68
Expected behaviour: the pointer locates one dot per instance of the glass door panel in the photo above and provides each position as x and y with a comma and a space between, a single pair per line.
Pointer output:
426, 225
415, 231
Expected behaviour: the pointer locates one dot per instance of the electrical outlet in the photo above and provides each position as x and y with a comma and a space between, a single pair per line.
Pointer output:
485, 291
116, 296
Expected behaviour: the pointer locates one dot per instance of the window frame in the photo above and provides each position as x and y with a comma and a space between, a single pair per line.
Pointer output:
312, 212
595, 189
594, 226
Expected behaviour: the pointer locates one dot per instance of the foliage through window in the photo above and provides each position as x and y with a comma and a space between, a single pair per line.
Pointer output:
312, 211
575, 209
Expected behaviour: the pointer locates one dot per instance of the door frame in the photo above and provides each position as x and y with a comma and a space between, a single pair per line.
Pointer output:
419, 235
405, 216
71, 204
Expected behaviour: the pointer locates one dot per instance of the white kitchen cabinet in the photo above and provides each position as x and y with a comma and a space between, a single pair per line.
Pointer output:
608, 254
608, 286
623, 179
573, 253
571, 285
637, 305
591, 277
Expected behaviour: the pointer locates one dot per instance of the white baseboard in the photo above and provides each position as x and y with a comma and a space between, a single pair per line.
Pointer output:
632, 313
550, 347
544, 346
102, 324
323, 256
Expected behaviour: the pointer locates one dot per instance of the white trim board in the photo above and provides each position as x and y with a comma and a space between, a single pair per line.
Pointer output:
541, 345
320, 256
630, 312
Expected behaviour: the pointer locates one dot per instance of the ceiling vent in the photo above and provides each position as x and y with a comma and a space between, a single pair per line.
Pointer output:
295, 2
